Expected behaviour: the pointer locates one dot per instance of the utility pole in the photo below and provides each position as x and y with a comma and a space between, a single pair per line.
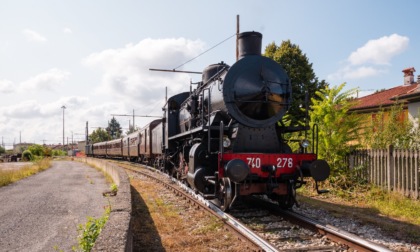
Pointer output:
63, 107
87, 133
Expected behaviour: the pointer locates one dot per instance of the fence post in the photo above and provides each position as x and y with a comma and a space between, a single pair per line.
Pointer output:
390, 166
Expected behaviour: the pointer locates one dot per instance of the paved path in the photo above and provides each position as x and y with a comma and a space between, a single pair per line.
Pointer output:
42, 212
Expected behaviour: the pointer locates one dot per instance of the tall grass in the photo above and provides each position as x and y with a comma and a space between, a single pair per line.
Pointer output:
10, 176
394, 205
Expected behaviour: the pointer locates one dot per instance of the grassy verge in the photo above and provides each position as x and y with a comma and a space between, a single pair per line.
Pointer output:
10, 176
108, 177
394, 213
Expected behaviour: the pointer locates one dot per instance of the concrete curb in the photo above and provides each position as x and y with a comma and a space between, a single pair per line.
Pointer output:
116, 235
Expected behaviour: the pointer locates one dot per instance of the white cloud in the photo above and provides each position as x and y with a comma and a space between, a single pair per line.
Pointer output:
48, 80
126, 70
351, 72
33, 36
39, 120
67, 30
379, 51
34, 109
371, 59
6, 86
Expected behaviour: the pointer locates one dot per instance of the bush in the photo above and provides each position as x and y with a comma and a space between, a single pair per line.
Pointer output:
56, 153
2, 150
36, 150
91, 230
27, 155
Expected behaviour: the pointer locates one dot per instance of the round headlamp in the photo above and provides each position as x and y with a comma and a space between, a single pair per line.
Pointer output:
226, 142
304, 143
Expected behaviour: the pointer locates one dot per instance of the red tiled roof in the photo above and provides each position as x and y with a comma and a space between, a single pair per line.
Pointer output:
383, 98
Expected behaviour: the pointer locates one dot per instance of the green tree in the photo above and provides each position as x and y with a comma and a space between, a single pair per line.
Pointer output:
114, 128
57, 153
301, 74
99, 135
37, 150
2, 150
337, 127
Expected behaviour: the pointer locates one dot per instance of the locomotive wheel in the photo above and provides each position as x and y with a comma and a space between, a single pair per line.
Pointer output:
225, 194
287, 201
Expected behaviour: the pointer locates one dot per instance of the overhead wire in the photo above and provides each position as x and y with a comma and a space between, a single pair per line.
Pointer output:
211, 48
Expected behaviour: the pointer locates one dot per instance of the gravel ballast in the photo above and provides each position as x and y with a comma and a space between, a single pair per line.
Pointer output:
42, 212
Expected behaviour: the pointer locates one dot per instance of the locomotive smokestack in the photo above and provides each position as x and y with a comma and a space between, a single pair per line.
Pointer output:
249, 44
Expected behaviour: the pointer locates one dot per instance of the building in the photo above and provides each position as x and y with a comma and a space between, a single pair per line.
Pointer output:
81, 145
407, 95
21, 147
376, 109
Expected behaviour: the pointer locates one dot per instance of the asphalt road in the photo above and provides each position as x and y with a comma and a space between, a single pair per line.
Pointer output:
42, 212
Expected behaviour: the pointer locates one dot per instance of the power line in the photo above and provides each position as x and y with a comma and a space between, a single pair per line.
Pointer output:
211, 48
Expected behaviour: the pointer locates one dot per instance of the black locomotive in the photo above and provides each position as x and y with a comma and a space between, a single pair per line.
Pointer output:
224, 138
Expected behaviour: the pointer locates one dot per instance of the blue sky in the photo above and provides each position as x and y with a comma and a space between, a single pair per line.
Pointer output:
93, 56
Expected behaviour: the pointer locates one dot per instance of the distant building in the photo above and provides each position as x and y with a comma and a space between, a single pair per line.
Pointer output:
81, 145
21, 147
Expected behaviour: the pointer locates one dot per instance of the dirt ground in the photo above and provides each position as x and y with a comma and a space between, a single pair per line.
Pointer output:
12, 165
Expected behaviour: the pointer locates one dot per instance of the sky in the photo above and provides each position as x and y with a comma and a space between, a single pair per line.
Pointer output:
93, 57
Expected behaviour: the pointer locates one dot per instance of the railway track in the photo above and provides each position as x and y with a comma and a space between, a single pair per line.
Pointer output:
342, 240
268, 227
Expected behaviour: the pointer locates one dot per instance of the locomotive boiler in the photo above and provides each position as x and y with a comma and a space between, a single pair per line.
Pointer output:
225, 139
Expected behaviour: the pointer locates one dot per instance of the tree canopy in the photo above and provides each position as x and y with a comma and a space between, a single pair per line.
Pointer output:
114, 129
337, 128
99, 135
301, 74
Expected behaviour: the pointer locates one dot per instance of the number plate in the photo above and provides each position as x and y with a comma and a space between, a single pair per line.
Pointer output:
281, 162
285, 163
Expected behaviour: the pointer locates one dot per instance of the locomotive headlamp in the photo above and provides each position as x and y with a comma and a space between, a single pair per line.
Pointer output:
304, 143
226, 142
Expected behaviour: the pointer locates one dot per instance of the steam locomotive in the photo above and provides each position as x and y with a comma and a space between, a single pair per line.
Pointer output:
224, 138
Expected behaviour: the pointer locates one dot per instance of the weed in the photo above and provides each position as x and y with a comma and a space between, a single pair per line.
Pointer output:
114, 188
89, 232
56, 248
213, 225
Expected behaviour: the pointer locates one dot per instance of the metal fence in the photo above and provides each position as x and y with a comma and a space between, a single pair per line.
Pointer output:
392, 169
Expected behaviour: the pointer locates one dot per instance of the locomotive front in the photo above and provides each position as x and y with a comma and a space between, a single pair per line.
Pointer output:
256, 89
230, 136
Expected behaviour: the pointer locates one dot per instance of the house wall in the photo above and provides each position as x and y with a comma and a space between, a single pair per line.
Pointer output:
414, 112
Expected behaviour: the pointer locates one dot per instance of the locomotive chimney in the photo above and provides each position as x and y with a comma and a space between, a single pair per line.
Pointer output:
249, 44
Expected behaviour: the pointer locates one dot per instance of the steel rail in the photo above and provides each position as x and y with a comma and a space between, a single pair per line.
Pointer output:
339, 235
240, 230
333, 233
